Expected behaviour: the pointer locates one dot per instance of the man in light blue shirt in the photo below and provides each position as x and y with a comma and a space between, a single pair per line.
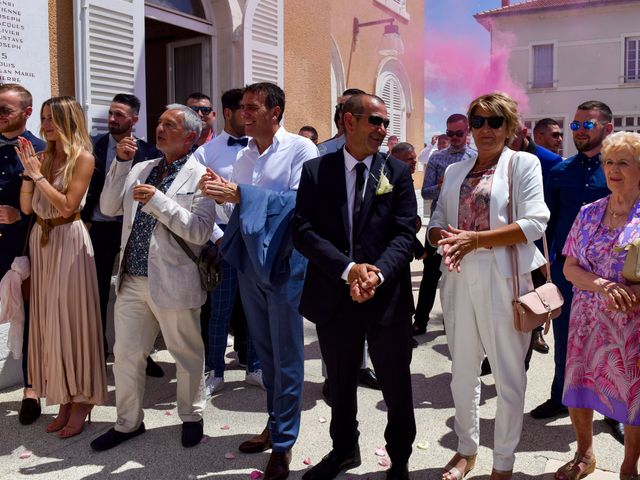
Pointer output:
258, 243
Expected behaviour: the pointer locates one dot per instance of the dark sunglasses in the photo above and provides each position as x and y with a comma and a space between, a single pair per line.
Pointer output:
588, 125
455, 133
495, 122
203, 110
556, 134
374, 120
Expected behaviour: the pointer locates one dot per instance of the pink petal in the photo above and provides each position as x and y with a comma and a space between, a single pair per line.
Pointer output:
306, 461
381, 452
225, 427
322, 420
168, 413
229, 456
26, 454
204, 439
255, 475
383, 462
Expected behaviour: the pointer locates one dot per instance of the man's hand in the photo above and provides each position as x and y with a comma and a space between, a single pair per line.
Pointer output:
126, 149
8, 215
219, 188
142, 193
363, 279
434, 139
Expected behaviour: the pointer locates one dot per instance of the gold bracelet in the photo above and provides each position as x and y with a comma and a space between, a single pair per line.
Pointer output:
477, 239
27, 191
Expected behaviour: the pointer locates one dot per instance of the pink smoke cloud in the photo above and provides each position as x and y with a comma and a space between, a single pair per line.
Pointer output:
457, 66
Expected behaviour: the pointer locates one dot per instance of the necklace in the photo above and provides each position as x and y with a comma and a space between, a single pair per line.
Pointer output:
616, 215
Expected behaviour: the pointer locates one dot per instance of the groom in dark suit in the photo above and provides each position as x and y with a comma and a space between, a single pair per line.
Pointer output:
355, 222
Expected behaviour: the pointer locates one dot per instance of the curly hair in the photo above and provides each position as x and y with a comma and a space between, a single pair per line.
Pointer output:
502, 105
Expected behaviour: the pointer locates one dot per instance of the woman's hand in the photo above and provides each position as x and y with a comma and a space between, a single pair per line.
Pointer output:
621, 297
456, 244
30, 161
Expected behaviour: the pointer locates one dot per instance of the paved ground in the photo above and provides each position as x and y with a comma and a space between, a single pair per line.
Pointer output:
237, 412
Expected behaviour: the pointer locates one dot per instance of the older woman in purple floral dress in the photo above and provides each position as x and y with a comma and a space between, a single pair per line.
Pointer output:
603, 355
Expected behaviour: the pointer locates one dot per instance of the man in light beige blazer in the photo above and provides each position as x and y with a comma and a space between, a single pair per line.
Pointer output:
158, 286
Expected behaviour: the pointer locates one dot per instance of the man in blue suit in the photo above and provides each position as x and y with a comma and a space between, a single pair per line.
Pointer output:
355, 221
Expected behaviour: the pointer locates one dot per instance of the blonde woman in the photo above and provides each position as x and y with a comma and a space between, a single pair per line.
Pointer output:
66, 359
471, 226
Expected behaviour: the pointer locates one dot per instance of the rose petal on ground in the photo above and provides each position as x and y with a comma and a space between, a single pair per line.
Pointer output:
384, 462
322, 420
204, 439
168, 413
306, 461
26, 454
381, 452
229, 456
225, 427
255, 475
423, 445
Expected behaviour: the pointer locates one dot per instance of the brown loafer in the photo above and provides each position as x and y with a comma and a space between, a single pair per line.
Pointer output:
257, 444
278, 466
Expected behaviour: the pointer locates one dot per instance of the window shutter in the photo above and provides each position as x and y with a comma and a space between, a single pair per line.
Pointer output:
632, 60
543, 66
391, 93
263, 42
109, 39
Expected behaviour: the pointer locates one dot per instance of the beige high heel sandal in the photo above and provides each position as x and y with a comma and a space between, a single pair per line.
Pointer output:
451, 472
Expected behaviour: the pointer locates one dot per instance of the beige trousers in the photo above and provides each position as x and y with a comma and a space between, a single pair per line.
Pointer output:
137, 321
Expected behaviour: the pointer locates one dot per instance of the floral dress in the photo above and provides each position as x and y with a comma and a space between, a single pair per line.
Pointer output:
603, 351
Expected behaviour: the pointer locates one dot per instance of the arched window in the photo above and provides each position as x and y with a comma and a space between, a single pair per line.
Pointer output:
190, 7
391, 92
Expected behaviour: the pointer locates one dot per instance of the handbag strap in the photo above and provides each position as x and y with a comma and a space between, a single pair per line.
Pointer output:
514, 261
185, 247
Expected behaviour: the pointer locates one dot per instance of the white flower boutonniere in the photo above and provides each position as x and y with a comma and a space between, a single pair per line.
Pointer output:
384, 186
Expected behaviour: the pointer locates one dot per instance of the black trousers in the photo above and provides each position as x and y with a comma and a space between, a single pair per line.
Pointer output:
105, 237
341, 343
428, 286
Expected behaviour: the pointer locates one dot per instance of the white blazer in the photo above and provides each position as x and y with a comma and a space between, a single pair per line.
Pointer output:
530, 211
174, 282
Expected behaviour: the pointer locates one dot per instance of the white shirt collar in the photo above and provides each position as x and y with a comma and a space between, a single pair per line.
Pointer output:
350, 162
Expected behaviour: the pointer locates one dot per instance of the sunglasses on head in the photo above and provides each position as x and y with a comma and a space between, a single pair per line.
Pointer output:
455, 133
495, 122
588, 125
203, 110
374, 120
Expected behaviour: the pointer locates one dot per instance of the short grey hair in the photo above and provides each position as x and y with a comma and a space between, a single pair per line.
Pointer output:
191, 121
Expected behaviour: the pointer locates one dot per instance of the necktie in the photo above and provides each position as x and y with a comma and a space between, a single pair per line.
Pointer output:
361, 169
5, 141
237, 141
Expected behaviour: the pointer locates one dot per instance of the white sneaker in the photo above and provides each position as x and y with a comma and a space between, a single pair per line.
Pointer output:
255, 379
213, 385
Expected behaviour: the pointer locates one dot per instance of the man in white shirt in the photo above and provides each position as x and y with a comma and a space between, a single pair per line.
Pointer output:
220, 155
258, 243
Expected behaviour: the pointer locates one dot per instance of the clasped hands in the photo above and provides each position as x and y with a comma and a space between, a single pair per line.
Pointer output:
621, 297
363, 280
31, 161
218, 188
456, 244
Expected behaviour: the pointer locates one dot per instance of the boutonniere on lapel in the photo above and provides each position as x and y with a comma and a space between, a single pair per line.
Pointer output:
384, 185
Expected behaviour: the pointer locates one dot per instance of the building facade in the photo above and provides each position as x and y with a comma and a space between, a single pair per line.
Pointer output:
564, 52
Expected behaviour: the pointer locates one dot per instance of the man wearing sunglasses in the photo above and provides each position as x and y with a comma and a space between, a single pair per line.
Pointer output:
457, 132
355, 222
575, 182
201, 104
548, 134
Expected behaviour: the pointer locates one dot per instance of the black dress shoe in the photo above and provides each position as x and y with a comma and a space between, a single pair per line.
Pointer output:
257, 444
113, 438
549, 409
367, 378
418, 329
153, 369
400, 472
485, 369
332, 464
538, 343
29, 411
414, 343
278, 466
617, 429
192, 433
325, 392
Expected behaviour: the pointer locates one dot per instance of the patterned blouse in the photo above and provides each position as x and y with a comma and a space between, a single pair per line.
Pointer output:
475, 200
136, 252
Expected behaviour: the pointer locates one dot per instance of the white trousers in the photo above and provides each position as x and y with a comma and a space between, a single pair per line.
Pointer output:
137, 321
478, 318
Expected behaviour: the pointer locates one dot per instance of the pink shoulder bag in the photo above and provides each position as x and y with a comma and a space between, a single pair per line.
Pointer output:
540, 305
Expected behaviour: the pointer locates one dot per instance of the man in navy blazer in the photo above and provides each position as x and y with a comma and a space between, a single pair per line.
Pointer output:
355, 222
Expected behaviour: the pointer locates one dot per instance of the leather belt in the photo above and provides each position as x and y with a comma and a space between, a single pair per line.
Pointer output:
48, 224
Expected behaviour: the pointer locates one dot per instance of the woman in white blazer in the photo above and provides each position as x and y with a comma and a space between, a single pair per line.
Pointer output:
470, 225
